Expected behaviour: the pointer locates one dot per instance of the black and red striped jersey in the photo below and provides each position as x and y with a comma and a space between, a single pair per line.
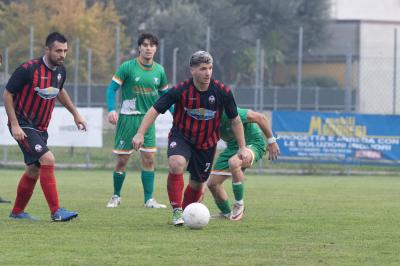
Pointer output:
197, 114
34, 87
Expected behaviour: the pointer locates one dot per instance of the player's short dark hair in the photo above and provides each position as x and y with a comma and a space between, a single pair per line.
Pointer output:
200, 57
53, 37
147, 36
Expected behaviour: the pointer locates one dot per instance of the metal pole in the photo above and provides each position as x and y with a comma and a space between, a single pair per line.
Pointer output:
89, 85
76, 72
6, 65
162, 52
5, 149
31, 37
395, 71
348, 83
208, 39
275, 98
117, 48
262, 79
299, 69
316, 103
261, 88
174, 55
257, 76
89, 97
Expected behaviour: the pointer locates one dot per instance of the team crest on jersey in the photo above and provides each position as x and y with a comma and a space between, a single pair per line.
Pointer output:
121, 143
156, 81
137, 79
211, 99
172, 145
47, 93
38, 148
59, 77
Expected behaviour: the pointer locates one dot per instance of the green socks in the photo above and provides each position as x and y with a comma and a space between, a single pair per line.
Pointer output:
119, 178
148, 184
147, 181
224, 206
238, 191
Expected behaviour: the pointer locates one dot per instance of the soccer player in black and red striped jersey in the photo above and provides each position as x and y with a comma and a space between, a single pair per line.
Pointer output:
198, 106
29, 100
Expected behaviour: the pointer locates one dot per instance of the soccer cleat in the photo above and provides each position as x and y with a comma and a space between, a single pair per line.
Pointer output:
237, 212
152, 203
177, 219
23, 216
114, 202
62, 215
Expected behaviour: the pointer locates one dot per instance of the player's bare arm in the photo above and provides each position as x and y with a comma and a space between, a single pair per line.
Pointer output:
112, 117
65, 100
16, 130
264, 124
237, 129
148, 120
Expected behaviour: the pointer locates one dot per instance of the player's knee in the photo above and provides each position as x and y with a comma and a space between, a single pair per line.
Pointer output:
234, 163
32, 171
47, 159
121, 162
212, 185
176, 164
148, 162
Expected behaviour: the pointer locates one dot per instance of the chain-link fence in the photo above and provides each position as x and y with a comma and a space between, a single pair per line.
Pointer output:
347, 82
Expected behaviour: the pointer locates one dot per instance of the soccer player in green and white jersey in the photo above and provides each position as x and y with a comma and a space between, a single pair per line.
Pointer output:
142, 81
228, 163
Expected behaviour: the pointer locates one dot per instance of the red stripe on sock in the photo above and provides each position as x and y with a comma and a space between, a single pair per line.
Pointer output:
24, 192
49, 186
175, 188
191, 196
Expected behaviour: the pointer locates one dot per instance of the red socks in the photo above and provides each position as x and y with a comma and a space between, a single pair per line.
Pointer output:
175, 189
48, 183
191, 196
24, 192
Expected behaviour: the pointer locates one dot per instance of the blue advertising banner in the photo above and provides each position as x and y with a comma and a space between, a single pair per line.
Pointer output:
338, 137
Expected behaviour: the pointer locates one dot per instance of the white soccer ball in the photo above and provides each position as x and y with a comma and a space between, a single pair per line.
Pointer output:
196, 215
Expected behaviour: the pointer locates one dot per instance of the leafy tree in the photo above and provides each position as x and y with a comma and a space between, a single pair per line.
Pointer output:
182, 26
276, 23
228, 37
235, 26
94, 26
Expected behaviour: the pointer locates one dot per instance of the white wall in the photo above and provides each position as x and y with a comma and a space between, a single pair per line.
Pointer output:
383, 10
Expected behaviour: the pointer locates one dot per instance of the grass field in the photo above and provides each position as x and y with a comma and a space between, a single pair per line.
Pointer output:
289, 220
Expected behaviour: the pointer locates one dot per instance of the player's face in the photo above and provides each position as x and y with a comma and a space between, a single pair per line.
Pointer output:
202, 73
57, 53
147, 50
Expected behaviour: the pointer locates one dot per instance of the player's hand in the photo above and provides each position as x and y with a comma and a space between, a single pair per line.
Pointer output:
137, 141
18, 133
80, 122
273, 151
112, 117
244, 155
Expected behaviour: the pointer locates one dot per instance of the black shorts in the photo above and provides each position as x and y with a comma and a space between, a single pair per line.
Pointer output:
200, 161
34, 145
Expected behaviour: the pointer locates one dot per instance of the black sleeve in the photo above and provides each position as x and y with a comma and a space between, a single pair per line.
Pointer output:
18, 80
64, 77
230, 104
167, 100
